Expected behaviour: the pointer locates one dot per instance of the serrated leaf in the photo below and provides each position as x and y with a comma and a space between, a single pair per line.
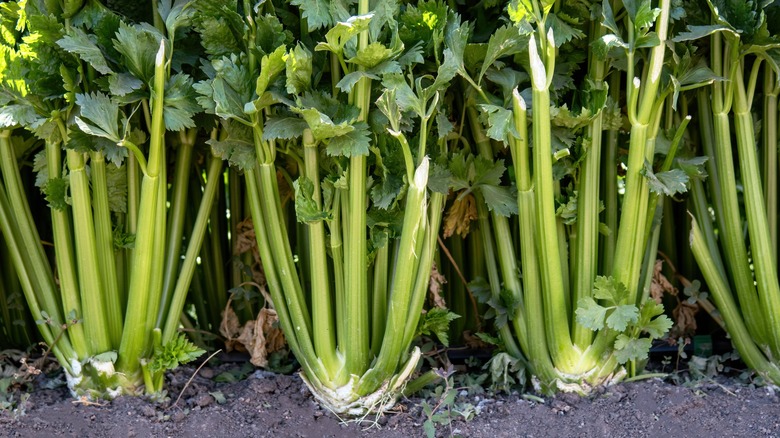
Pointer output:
270, 33
306, 210
608, 17
41, 169
601, 47
338, 36
322, 127
56, 191
443, 125
17, 114
669, 183
177, 351
122, 84
285, 128
439, 178
219, 35
487, 171
437, 322
355, 142
298, 70
647, 41
227, 93
563, 32
180, 103
641, 13
627, 349
237, 148
316, 12
501, 123
590, 314
499, 200
693, 167
658, 327
621, 316
505, 41
98, 115
116, 182
175, 13
80, 44
270, 67
138, 46
371, 55
698, 32
406, 98
607, 288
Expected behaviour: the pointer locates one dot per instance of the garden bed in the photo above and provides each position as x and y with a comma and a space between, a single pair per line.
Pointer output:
270, 405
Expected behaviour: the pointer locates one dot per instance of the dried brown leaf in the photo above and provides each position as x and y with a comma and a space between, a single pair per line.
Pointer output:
230, 328
435, 287
685, 319
473, 341
660, 284
246, 242
461, 213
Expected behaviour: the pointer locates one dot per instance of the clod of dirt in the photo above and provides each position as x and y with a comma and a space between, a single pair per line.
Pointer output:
148, 411
204, 400
263, 386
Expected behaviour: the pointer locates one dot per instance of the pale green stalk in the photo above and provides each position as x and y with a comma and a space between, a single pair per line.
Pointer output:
357, 348
629, 252
322, 307
104, 239
764, 263
135, 337
769, 141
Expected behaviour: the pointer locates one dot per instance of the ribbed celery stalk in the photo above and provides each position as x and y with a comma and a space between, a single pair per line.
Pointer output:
135, 337
642, 111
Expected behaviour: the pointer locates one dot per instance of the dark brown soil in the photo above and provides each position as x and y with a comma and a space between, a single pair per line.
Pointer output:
267, 405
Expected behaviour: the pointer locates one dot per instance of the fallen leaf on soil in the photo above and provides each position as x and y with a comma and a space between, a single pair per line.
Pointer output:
259, 337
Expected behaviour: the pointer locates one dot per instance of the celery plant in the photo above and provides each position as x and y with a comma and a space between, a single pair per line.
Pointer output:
352, 117
740, 49
111, 314
567, 291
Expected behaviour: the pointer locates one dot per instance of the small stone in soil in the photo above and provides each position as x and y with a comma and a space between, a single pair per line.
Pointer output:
178, 416
207, 373
204, 400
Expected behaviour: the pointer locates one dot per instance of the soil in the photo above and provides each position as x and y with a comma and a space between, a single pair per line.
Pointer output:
269, 405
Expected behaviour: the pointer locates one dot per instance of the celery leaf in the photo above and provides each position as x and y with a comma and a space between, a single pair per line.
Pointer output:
306, 209
177, 351
352, 143
298, 70
499, 199
98, 115
316, 12
590, 314
56, 191
437, 322
285, 128
79, 43
138, 46
505, 41
501, 123
238, 147
622, 316
179, 103
669, 183
627, 348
